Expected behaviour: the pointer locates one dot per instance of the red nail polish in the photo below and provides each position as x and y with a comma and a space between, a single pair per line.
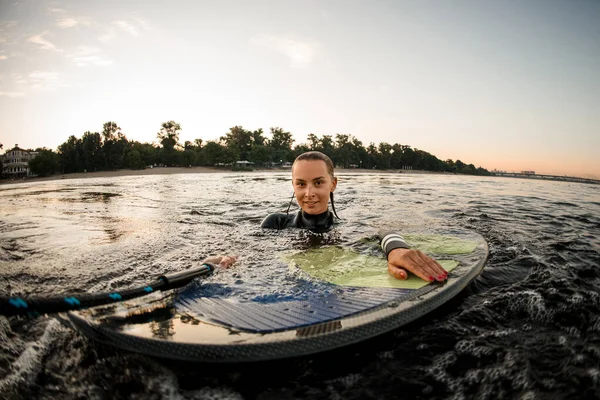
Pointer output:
431, 278
441, 277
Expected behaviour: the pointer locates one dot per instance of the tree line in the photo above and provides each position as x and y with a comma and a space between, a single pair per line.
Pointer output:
111, 150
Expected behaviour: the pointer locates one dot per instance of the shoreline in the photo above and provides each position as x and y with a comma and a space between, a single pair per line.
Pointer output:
186, 170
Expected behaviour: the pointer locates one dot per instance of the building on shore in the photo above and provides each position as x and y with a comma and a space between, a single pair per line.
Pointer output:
15, 162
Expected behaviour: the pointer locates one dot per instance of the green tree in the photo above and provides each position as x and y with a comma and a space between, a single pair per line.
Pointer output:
239, 142
326, 145
344, 153
110, 130
149, 153
261, 155
258, 138
114, 147
408, 157
93, 157
70, 156
450, 166
372, 156
213, 153
313, 142
168, 136
396, 159
281, 140
135, 160
188, 157
46, 163
384, 155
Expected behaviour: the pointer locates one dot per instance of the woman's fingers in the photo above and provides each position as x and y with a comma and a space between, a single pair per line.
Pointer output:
213, 260
432, 266
416, 268
222, 261
396, 272
418, 263
227, 261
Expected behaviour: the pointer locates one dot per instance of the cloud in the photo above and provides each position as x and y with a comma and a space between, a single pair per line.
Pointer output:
84, 56
142, 23
127, 27
3, 57
300, 53
70, 22
36, 81
109, 34
4, 27
12, 94
9, 93
44, 80
67, 23
124, 26
19, 79
42, 42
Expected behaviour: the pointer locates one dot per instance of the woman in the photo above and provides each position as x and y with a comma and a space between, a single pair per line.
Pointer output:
314, 182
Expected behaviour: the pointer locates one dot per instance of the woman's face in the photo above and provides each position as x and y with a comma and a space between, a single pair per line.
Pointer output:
312, 185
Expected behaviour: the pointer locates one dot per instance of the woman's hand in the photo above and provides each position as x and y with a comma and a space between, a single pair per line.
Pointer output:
402, 260
221, 261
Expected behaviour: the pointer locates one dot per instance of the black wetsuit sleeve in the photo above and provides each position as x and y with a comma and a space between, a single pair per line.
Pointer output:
390, 240
274, 221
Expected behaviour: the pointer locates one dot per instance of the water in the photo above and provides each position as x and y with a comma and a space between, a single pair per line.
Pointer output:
528, 327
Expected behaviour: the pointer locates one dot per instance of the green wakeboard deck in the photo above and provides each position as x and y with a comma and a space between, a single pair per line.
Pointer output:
191, 325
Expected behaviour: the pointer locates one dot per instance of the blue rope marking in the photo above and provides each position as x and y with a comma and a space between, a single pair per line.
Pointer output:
18, 302
115, 296
72, 301
148, 289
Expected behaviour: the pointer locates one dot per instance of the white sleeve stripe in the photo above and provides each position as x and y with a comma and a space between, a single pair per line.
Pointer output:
392, 241
391, 238
393, 235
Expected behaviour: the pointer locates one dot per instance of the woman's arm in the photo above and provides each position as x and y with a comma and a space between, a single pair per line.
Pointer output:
402, 259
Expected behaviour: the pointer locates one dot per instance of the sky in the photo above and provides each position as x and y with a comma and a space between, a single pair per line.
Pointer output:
507, 85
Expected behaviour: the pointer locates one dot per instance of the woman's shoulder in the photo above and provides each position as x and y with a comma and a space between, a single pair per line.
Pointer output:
275, 221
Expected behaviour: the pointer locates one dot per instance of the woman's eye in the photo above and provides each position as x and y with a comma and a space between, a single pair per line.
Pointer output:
317, 183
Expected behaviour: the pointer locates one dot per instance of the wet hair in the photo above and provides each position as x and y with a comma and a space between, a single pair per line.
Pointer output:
317, 156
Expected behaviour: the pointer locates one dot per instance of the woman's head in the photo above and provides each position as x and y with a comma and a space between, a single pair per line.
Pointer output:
313, 181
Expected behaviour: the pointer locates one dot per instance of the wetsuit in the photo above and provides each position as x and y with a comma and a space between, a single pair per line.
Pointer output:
317, 223
389, 240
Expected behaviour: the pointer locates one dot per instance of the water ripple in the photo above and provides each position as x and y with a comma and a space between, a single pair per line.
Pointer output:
528, 327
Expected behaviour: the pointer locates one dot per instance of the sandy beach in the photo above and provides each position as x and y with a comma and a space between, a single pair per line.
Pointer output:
184, 170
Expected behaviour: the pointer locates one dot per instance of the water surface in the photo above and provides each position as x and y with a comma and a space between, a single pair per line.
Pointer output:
527, 327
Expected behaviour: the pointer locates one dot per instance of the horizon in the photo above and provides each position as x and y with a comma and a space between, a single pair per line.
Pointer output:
504, 86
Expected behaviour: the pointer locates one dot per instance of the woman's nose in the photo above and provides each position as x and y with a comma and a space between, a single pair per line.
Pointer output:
309, 190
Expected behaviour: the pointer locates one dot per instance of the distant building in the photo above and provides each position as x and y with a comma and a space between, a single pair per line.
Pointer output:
15, 162
528, 172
